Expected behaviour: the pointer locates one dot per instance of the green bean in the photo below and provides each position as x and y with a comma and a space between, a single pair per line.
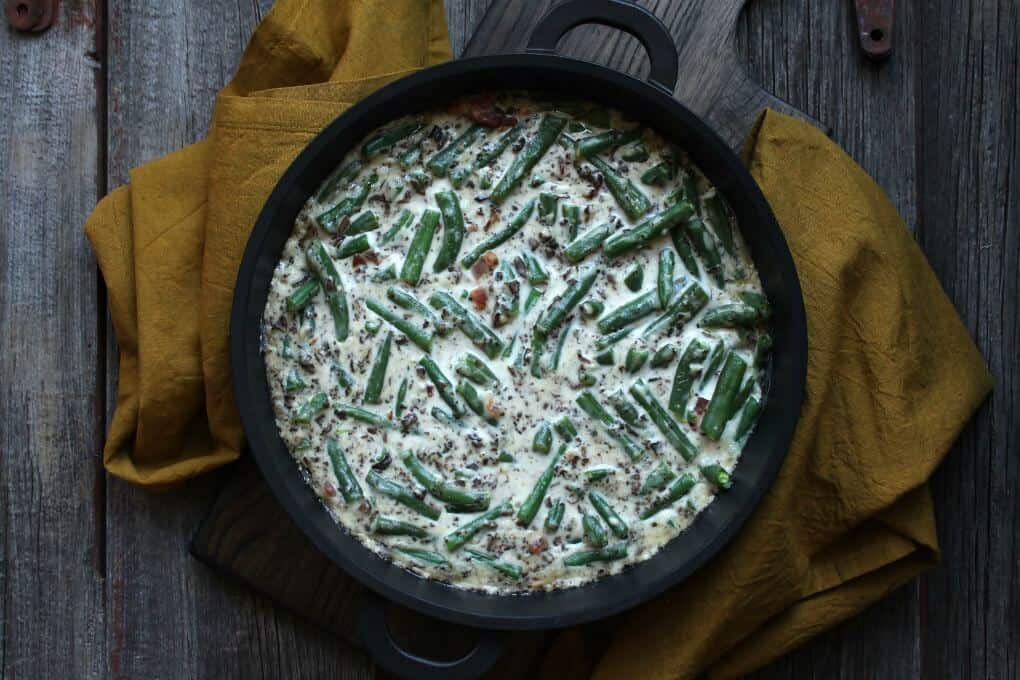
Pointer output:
591, 309
549, 129
440, 163
587, 243
636, 153
594, 532
346, 481
332, 219
316, 403
690, 191
410, 158
385, 274
581, 558
634, 277
403, 220
344, 174
663, 356
422, 555
627, 411
285, 349
475, 370
293, 382
344, 378
590, 405
363, 223
762, 347
537, 348
506, 457
608, 514
556, 312
363, 415
721, 408
565, 428
535, 274
398, 402
586, 379
718, 217
713, 362
606, 341
684, 250
706, 248
729, 316
741, 396
529, 508
469, 324
471, 397
498, 238
635, 359
419, 181
422, 337
560, 343
683, 378
684, 305
534, 295
606, 357
747, 417
336, 297
548, 205
303, 295
492, 150
630, 199
658, 478
596, 144
377, 376
505, 568
453, 230
401, 494
388, 526
443, 490
597, 472
443, 386
659, 174
457, 538
384, 139
353, 246
624, 241
372, 326
664, 281
406, 300
633, 310
419, 248
679, 488
554, 517
445, 417
758, 301
669, 428
572, 214
717, 475
542, 443
308, 319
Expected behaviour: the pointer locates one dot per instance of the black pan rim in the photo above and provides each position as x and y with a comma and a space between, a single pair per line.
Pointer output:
711, 530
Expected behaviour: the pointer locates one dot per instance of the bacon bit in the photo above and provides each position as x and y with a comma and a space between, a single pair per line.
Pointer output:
538, 545
482, 110
485, 264
479, 297
700, 406
429, 390
493, 408
358, 260
493, 218
328, 490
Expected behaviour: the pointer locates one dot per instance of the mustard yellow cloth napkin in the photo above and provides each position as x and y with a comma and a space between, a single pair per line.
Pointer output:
892, 373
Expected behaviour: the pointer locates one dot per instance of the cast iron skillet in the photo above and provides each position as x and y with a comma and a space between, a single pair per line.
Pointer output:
652, 103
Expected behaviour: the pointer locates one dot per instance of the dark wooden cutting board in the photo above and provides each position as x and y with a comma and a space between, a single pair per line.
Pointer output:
248, 536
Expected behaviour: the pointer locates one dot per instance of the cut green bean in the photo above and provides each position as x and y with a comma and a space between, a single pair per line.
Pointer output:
363, 223
398, 402
717, 475
493, 149
718, 217
684, 305
657, 479
385, 139
596, 144
344, 378
293, 382
722, 406
475, 370
419, 248
549, 128
404, 219
469, 324
664, 280
635, 153
389, 526
635, 359
747, 417
421, 337
594, 533
534, 295
536, 275
453, 230
608, 514
333, 219
685, 251
610, 553
706, 248
730, 316
445, 417
683, 378
410, 158
401, 494
633, 310
315, 403
373, 326
377, 376
474, 401
659, 174
713, 362
442, 490
606, 357
443, 386
363, 415
537, 348
606, 341
628, 196
679, 488
758, 301
457, 538
669, 428
560, 344
548, 205
554, 517
542, 442
498, 238
529, 508
586, 379
406, 300
663, 356
440, 163
597, 472
336, 296
625, 241
591, 309
762, 347
346, 481
556, 312
303, 295
353, 246
591, 406
422, 555
572, 215
588, 242
419, 180
634, 277
505, 568
385, 274
565, 428
625, 409
344, 175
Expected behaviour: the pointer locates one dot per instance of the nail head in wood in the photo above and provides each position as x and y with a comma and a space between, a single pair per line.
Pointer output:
30, 16
875, 23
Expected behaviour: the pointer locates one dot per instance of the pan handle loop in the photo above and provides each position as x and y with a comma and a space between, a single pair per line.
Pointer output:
384, 650
636, 20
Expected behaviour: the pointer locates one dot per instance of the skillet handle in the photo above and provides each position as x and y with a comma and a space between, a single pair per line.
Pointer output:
384, 650
638, 21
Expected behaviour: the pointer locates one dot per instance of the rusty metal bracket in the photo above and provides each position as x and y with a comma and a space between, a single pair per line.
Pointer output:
874, 27
31, 16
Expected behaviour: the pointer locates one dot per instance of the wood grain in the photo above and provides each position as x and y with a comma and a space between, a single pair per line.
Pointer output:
50, 415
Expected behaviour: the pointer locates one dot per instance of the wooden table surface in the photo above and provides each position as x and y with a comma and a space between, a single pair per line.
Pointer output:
95, 579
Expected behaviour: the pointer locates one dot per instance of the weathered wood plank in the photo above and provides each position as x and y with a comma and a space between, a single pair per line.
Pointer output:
50, 419
969, 98
167, 61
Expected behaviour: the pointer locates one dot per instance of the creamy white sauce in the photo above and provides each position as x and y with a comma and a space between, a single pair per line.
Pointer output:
526, 402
